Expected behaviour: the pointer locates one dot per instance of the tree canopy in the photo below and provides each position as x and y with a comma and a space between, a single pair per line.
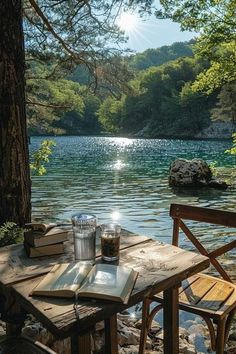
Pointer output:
72, 33
215, 20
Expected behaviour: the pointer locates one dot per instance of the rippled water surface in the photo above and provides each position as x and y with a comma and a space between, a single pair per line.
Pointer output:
124, 179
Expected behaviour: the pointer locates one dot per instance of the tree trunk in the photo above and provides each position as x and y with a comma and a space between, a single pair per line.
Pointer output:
15, 185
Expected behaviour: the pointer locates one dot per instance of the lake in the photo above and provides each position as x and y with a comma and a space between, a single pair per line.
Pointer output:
124, 180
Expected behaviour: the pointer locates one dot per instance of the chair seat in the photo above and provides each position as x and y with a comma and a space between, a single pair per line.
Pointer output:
212, 298
23, 345
204, 293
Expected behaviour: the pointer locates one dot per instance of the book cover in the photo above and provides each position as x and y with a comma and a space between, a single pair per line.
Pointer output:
47, 250
54, 235
102, 281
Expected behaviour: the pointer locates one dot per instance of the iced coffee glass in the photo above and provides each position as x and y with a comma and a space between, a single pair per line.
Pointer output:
110, 241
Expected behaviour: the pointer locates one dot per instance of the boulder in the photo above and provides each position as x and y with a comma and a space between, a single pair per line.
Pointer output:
193, 173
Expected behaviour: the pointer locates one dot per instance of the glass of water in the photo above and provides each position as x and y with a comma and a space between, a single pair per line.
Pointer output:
84, 230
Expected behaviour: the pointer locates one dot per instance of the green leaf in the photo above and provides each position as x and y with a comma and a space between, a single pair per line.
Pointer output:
41, 156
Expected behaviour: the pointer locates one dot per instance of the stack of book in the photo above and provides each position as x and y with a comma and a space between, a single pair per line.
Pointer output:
44, 239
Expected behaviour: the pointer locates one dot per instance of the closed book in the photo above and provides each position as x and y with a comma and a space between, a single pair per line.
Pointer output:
47, 250
101, 281
54, 235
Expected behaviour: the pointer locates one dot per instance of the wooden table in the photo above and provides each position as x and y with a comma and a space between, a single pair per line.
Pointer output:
161, 267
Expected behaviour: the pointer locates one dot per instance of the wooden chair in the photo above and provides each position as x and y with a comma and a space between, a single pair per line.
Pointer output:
23, 345
208, 296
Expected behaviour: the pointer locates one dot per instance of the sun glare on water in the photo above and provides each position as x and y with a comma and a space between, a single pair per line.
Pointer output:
128, 22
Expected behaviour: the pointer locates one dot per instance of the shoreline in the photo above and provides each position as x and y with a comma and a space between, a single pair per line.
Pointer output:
131, 137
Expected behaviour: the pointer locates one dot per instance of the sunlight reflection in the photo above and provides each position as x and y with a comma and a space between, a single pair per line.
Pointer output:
123, 141
118, 165
115, 215
132, 315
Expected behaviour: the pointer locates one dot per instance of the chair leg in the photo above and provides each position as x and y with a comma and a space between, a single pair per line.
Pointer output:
144, 328
228, 324
220, 336
211, 332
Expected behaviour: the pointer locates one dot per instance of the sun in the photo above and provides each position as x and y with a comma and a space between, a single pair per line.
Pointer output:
128, 22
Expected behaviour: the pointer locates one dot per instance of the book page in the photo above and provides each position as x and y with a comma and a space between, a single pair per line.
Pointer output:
65, 276
107, 282
40, 227
56, 230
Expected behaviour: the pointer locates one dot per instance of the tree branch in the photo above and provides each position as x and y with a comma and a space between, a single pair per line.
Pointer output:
29, 102
51, 30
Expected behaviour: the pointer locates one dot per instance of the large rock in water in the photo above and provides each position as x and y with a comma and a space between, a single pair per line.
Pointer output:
193, 173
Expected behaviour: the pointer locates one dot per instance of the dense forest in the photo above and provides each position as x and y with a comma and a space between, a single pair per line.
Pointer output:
155, 98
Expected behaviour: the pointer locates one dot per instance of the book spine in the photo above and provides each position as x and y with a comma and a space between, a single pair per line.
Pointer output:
37, 240
44, 250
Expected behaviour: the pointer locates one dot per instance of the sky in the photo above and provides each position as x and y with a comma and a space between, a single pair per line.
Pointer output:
151, 32
155, 33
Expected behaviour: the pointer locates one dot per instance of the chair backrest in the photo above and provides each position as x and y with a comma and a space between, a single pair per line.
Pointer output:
181, 212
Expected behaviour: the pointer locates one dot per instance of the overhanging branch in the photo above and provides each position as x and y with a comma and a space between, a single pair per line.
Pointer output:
39, 12
34, 103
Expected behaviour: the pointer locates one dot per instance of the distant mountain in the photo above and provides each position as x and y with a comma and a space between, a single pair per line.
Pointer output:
144, 60
159, 56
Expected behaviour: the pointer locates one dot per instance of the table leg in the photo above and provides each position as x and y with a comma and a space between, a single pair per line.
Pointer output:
14, 318
171, 321
111, 340
81, 344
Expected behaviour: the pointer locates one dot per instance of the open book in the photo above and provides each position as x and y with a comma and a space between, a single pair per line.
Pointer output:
40, 227
102, 281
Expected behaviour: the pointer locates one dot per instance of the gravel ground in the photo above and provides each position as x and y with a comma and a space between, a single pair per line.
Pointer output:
193, 335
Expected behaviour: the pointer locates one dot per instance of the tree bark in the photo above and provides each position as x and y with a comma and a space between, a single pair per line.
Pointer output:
15, 185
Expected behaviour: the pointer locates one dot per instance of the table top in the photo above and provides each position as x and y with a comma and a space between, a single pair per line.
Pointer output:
160, 267
15, 266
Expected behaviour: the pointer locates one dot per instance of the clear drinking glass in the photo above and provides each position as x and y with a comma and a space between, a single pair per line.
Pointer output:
110, 241
84, 230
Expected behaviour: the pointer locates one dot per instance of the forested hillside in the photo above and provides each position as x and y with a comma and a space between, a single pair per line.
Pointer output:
155, 57
150, 95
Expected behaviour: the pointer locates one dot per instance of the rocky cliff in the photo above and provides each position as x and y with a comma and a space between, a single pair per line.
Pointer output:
217, 130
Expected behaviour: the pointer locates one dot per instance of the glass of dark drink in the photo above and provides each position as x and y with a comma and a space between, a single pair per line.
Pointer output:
110, 241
